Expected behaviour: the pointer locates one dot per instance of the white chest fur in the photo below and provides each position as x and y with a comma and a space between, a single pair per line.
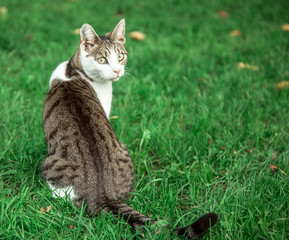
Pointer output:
103, 90
104, 94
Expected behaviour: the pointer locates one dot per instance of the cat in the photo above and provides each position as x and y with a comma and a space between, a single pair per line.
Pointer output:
85, 160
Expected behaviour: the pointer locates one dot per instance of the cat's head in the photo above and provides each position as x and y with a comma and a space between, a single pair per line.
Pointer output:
103, 58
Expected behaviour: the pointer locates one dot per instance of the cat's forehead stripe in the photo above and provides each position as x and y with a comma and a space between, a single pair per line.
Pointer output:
106, 52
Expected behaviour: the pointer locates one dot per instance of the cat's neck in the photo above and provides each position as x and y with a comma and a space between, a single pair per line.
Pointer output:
104, 94
71, 69
74, 67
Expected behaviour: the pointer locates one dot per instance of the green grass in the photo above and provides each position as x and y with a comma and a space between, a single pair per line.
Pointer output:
202, 133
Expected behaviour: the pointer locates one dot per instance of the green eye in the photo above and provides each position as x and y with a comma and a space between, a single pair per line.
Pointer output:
102, 60
120, 57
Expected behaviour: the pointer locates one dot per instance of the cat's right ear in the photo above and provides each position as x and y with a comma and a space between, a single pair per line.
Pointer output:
88, 37
118, 33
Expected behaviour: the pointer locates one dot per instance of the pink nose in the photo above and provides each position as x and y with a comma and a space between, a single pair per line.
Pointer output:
117, 71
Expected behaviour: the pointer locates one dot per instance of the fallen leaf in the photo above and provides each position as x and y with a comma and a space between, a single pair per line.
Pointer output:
235, 33
242, 65
251, 150
3, 10
224, 173
285, 27
113, 117
76, 31
273, 168
48, 208
71, 226
43, 210
223, 14
282, 84
137, 35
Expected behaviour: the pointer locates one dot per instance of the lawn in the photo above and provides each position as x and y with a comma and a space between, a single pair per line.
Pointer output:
200, 111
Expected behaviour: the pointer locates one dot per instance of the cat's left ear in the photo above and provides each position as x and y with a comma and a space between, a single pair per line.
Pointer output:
117, 34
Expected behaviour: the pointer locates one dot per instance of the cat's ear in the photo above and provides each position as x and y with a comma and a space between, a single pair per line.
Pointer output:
117, 34
88, 36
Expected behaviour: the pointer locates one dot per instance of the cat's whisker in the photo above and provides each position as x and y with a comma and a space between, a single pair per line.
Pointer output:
129, 70
128, 75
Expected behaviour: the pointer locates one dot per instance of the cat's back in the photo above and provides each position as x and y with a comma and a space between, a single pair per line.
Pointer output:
72, 110
68, 95
82, 144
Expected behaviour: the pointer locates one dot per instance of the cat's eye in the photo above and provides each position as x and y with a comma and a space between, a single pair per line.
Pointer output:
120, 57
102, 60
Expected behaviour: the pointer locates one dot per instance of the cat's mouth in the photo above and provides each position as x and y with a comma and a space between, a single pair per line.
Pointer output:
115, 79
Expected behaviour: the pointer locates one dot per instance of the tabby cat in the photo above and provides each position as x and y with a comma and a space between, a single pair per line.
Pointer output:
85, 160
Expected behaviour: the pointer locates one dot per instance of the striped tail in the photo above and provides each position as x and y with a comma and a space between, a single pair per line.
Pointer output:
136, 219
119, 208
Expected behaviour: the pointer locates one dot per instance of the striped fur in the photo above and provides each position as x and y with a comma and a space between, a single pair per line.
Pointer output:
85, 160
83, 150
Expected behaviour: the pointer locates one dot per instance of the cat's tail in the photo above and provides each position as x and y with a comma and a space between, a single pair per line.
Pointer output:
136, 219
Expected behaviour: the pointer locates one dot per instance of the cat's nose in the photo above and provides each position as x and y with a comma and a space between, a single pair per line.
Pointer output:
117, 71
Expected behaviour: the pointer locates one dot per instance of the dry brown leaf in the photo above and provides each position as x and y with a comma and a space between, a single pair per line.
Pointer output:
242, 65
42, 209
137, 35
251, 150
224, 173
76, 31
285, 27
71, 226
3, 10
282, 84
273, 168
223, 14
235, 33
48, 208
